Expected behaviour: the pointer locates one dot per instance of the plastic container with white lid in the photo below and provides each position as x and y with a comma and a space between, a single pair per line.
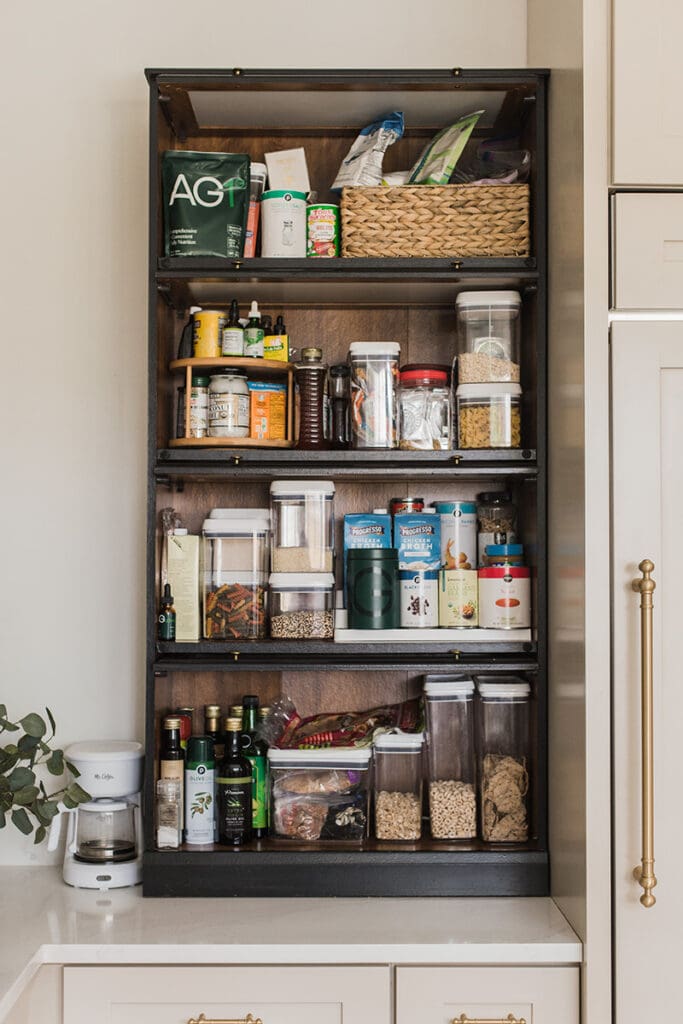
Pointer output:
240, 513
302, 513
449, 706
398, 786
320, 794
488, 336
489, 415
235, 577
374, 393
302, 606
504, 757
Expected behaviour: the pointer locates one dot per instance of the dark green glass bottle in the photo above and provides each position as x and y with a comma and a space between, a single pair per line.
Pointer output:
233, 789
256, 750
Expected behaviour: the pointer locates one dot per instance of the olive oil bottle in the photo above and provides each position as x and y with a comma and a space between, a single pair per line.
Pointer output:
233, 789
256, 751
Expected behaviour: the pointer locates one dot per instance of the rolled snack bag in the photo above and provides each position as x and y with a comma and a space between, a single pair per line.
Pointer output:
438, 159
362, 165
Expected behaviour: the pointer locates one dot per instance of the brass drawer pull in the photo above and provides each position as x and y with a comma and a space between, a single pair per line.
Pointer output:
644, 874
201, 1019
510, 1019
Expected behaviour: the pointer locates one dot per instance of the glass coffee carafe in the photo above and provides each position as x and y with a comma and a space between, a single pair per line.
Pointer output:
105, 831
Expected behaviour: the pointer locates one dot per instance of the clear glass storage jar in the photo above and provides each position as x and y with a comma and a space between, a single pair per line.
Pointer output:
489, 415
302, 606
496, 520
504, 758
451, 771
424, 408
488, 337
374, 387
228, 404
302, 513
319, 794
235, 576
398, 785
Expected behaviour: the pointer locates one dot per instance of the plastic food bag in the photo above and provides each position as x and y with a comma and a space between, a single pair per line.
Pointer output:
492, 164
284, 728
362, 165
437, 161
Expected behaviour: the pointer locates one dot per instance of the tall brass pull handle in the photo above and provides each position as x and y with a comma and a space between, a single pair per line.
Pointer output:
510, 1019
201, 1019
644, 874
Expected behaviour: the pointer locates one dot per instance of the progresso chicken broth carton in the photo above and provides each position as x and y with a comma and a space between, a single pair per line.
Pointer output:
206, 201
417, 536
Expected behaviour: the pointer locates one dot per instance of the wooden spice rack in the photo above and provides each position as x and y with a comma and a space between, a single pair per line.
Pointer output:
267, 368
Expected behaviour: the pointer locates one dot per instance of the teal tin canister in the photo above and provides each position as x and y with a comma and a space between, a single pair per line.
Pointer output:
373, 590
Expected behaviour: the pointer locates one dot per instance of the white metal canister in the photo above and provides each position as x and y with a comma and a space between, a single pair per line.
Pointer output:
504, 597
458, 534
419, 598
229, 405
283, 224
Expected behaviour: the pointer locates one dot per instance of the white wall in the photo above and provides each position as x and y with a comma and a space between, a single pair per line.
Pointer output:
74, 225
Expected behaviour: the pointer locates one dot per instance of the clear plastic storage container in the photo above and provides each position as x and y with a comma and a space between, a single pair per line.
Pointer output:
319, 794
398, 786
488, 337
489, 415
504, 756
449, 705
302, 513
374, 390
235, 576
302, 606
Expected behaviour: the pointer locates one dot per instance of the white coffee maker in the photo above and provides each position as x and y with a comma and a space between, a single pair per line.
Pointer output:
104, 836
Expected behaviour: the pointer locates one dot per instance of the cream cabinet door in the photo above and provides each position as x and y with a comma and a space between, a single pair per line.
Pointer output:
441, 995
647, 384
647, 88
648, 254
276, 995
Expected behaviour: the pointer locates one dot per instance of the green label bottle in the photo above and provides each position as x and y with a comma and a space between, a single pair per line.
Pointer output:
256, 750
233, 790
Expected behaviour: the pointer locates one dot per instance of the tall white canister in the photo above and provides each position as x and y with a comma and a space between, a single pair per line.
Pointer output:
283, 224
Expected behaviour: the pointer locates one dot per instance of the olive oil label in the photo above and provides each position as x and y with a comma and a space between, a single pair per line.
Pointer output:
235, 806
259, 794
199, 804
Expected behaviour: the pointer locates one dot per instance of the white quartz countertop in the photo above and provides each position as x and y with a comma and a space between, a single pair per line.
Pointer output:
44, 921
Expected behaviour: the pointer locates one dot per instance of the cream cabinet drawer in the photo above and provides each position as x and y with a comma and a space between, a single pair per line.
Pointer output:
440, 995
648, 251
276, 995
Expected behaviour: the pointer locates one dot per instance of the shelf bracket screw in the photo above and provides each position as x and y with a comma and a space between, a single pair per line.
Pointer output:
457, 72
237, 264
235, 655
456, 655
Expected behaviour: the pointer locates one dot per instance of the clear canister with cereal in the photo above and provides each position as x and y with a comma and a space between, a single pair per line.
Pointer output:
489, 415
488, 337
449, 705
503, 715
398, 786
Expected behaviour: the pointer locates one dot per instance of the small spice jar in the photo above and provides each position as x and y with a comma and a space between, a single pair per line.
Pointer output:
496, 520
449, 706
303, 525
229, 404
398, 786
488, 337
503, 745
302, 606
424, 408
489, 415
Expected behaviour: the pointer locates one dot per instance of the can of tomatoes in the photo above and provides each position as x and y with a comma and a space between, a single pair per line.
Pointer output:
505, 597
400, 505
322, 230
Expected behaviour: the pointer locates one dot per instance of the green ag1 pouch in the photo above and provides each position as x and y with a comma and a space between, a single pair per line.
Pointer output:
206, 201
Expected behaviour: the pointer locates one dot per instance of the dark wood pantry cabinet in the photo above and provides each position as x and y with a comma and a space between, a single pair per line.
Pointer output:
330, 303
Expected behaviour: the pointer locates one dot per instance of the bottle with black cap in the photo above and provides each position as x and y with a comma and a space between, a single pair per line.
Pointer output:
166, 620
233, 789
256, 751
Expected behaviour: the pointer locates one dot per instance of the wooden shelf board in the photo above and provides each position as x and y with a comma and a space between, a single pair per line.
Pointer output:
227, 442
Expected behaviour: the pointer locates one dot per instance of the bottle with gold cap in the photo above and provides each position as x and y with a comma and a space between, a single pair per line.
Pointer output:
212, 728
172, 755
233, 789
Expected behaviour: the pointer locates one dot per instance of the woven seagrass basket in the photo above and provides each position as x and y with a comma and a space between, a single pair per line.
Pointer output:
436, 220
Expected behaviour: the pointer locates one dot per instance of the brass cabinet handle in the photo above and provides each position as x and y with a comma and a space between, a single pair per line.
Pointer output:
644, 874
510, 1019
201, 1019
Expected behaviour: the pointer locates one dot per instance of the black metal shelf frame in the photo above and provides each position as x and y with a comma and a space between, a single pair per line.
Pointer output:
368, 871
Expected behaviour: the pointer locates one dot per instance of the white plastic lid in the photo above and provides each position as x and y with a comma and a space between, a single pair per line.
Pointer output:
502, 686
473, 300
105, 805
488, 390
340, 757
446, 688
101, 750
399, 742
239, 513
375, 349
302, 487
234, 527
258, 170
180, 532
302, 580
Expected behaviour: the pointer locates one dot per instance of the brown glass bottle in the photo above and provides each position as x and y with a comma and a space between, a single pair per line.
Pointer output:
310, 376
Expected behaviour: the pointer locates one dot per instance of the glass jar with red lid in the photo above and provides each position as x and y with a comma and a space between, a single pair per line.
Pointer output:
425, 407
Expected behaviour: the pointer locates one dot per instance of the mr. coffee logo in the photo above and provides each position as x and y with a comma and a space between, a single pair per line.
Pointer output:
104, 776
205, 191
